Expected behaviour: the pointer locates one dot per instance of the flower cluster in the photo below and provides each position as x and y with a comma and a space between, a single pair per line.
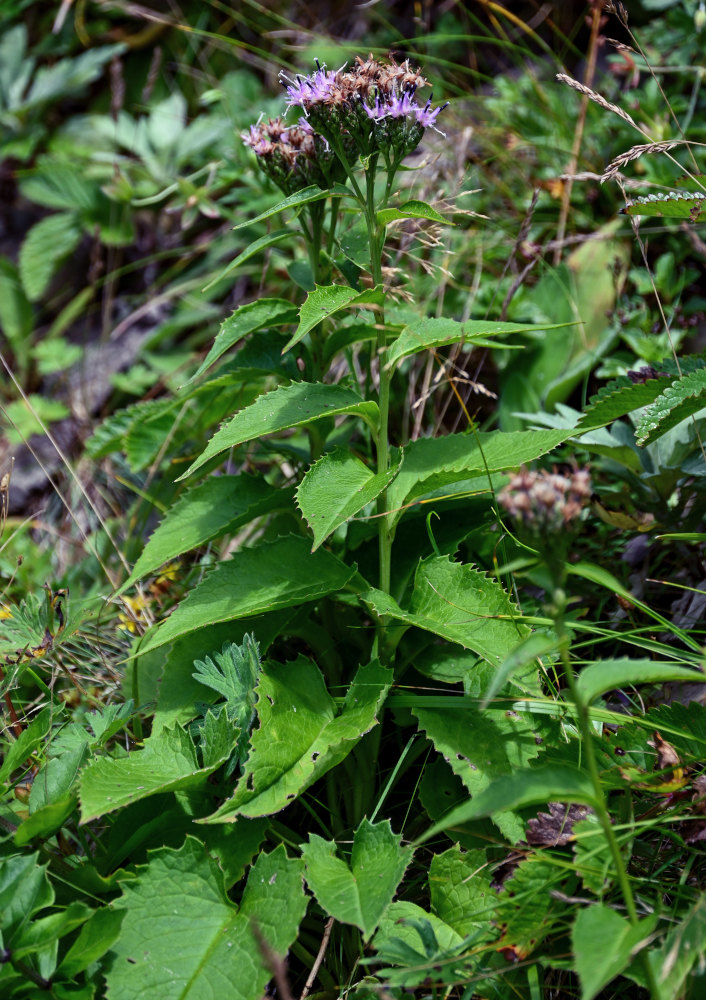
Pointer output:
373, 104
293, 156
546, 502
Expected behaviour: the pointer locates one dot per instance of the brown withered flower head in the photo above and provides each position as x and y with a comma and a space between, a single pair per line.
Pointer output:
546, 503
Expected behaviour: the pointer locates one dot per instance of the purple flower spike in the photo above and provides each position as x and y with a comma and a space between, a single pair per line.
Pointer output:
427, 115
309, 89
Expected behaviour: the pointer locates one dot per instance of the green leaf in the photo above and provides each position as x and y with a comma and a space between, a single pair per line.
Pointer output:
295, 405
412, 209
300, 736
398, 924
606, 675
60, 185
183, 938
335, 488
16, 316
167, 763
434, 463
16, 751
458, 603
270, 239
682, 947
39, 935
218, 506
619, 397
535, 645
683, 398
245, 320
358, 893
326, 300
525, 909
47, 243
45, 820
461, 888
482, 749
24, 890
674, 205
96, 937
279, 574
425, 334
234, 675
296, 200
555, 782
599, 931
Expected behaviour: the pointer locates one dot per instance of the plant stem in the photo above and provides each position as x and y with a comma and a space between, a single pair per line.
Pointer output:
601, 804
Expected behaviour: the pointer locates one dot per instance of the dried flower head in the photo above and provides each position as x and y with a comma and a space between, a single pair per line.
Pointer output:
546, 502
373, 104
293, 156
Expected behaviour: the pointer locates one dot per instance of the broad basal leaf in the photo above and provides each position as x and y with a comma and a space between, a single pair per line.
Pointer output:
292, 406
482, 748
433, 463
278, 574
326, 300
357, 893
300, 736
245, 320
674, 205
215, 507
167, 763
427, 333
458, 603
683, 398
599, 931
335, 489
183, 939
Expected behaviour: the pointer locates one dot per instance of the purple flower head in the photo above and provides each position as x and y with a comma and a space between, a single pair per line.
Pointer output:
427, 115
309, 89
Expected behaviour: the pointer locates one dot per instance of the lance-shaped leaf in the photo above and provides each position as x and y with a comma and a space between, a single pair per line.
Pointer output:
245, 320
413, 209
326, 300
599, 930
295, 405
481, 748
425, 333
358, 893
268, 240
434, 463
458, 603
296, 200
167, 763
553, 783
607, 675
674, 205
680, 400
215, 507
336, 488
183, 939
278, 574
300, 736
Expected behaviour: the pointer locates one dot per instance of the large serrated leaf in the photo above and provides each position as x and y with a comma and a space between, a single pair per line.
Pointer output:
278, 574
287, 406
245, 320
680, 400
433, 463
167, 763
214, 507
481, 749
458, 603
324, 301
45, 246
619, 397
360, 893
426, 333
183, 939
675, 205
300, 737
336, 488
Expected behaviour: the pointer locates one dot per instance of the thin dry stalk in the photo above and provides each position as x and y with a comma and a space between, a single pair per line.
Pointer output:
597, 98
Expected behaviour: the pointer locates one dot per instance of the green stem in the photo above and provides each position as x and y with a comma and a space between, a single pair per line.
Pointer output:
601, 803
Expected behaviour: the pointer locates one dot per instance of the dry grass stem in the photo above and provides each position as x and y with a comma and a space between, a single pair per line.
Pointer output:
598, 99
634, 153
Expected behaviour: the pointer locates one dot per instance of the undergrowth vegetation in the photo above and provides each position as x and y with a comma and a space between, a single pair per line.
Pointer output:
352, 495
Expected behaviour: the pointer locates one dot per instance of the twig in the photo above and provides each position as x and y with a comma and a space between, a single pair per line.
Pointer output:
318, 960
